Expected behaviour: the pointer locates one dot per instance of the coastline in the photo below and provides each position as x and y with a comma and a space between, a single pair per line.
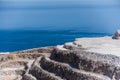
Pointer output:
102, 45
18, 40
83, 58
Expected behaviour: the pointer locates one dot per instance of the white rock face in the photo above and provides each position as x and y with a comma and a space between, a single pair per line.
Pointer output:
4, 52
103, 45
116, 35
60, 47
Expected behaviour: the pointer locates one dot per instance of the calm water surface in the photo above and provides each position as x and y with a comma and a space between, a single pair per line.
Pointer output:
21, 40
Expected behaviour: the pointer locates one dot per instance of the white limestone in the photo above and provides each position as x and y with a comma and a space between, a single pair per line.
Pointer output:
4, 52
60, 47
103, 45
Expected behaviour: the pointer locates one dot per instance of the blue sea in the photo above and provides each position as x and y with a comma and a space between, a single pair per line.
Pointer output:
28, 24
15, 40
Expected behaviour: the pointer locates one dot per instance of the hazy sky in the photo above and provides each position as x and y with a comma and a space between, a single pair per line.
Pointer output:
95, 15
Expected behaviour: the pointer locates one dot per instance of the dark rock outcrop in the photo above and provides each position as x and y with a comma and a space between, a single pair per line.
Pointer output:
116, 35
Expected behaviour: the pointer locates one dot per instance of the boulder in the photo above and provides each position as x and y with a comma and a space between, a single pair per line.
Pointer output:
116, 35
